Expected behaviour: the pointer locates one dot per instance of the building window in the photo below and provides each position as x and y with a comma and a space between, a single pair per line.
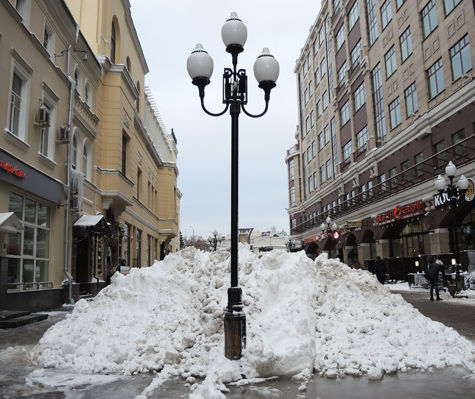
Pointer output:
429, 18
329, 169
392, 177
435, 76
370, 188
17, 118
314, 149
419, 166
306, 96
382, 180
378, 102
353, 15
399, 3
321, 143
460, 58
404, 167
395, 113
340, 37
84, 160
317, 76
315, 180
325, 100
322, 68
460, 149
363, 191
45, 138
292, 195
450, 5
406, 44
372, 21
315, 47
312, 118
309, 155
307, 125
322, 174
361, 139
310, 89
319, 109
310, 183
390, 61
291, 169
334, 143
347, 149
74, 158
341, 74
410, 95
386, 14
124, 154
113, 44
359, 97
28, 251
321, 35
355, 55
326, 131
441, 158
345, 113
138, 249
48, 39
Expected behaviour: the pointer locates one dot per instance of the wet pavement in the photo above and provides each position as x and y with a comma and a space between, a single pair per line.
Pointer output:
19, 378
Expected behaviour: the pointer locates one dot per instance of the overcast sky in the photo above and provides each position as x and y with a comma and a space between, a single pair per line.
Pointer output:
168, 32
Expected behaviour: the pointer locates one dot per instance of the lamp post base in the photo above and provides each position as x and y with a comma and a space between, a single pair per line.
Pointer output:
234, 334
234, 325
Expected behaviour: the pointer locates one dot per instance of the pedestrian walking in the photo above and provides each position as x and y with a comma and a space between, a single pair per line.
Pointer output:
380, 269
435, 267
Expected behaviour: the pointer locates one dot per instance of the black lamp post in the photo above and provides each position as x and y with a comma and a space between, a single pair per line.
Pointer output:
266, 71
329, 228
455, 193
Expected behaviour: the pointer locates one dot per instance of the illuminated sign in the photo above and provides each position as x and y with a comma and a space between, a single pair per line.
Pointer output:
441, 200
401, 212
12, 169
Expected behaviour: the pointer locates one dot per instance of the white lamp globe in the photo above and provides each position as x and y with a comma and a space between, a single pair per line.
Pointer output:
328, 220
234, 31
266, 67
440, 183
199, 63
462, 183
450, 169
323, 227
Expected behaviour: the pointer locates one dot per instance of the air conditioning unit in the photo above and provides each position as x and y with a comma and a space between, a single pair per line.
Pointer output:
63, 135
43, 117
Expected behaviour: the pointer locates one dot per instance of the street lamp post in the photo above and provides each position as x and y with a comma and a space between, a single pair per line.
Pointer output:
235, 96
455, 193
329, 228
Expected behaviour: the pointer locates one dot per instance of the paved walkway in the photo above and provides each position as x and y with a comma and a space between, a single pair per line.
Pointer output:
458, 313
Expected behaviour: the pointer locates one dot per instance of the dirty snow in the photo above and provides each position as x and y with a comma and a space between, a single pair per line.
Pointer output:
302, 315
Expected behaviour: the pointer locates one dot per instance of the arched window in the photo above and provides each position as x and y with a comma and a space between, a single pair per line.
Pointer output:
138, 97
84, 160
75, 152
88, 94
129, 66
113, 44
78, 80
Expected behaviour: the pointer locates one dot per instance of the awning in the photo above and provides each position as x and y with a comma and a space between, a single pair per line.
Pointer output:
88, 220
9, 223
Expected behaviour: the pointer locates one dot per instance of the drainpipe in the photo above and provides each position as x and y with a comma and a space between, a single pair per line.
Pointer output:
72, 88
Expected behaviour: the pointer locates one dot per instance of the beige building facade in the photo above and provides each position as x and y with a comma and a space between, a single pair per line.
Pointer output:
385, 93
84, 167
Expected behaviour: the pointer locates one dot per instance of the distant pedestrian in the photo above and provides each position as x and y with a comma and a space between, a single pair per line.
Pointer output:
435, 267
380, 269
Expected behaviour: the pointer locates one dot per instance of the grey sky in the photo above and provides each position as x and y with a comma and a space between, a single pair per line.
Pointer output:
168, 32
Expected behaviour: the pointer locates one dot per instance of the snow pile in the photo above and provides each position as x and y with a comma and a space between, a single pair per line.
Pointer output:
301, 315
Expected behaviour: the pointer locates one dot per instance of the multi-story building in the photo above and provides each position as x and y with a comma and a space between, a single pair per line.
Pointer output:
386, 99
87, 168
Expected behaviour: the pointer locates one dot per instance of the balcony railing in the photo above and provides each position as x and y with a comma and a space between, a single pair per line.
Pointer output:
461, 154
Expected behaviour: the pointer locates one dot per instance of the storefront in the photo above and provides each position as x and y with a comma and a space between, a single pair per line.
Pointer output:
34, 197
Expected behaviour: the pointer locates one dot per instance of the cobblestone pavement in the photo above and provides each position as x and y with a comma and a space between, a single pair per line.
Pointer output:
15, 367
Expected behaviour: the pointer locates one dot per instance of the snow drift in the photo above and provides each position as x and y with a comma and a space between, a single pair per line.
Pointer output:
301, 315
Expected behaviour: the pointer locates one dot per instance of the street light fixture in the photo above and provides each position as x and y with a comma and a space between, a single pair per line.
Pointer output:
455, 193
235, 96
331, 230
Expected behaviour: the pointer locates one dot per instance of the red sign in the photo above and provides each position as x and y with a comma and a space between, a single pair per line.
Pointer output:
401, 212
13, 170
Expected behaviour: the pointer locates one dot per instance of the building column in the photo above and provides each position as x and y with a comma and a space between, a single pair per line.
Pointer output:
364, 253
382, 248
439, 241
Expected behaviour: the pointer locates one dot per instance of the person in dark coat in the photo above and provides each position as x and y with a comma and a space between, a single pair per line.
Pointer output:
380, 269
435, 267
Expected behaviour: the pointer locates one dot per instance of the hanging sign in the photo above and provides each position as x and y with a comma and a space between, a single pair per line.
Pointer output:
12, 169
470, 193
401, 212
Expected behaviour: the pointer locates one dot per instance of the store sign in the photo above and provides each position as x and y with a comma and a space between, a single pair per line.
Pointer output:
441, 200
401, 212
12, 169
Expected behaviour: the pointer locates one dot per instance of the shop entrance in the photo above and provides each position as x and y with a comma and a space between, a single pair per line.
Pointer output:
412, 241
